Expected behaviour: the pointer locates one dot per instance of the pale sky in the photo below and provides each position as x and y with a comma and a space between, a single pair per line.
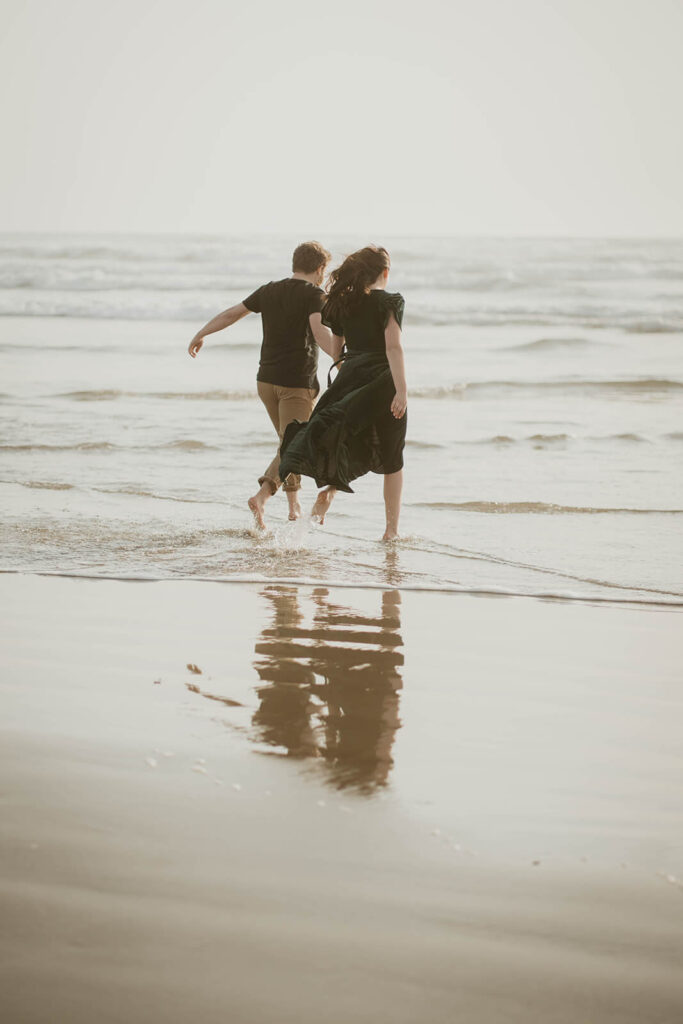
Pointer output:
465, 117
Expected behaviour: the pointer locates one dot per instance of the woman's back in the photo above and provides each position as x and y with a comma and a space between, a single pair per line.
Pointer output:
363, 328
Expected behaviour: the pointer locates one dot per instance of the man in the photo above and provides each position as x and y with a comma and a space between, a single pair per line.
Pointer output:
287, 378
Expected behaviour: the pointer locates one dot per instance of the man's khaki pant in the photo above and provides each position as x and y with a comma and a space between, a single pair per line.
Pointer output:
284, 405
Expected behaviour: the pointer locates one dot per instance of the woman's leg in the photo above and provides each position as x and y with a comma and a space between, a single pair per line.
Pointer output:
393, 486
322, 503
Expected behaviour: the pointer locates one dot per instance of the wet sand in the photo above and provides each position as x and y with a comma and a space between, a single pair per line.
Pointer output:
257, 803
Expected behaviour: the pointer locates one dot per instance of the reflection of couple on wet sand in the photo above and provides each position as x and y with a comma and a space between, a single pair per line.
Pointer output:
359, 423
329, 690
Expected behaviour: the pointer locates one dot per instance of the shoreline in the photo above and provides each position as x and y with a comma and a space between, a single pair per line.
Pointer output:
297, 581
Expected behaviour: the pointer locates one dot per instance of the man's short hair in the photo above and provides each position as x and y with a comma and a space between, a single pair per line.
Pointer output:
309, 257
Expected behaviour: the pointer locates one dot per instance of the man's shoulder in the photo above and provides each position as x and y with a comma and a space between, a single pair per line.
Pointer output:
293, 286
305, 295
301, 285
291, 296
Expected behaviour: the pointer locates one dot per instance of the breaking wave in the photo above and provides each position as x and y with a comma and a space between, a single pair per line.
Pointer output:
548, 344
106, 446
112, 394
648, 385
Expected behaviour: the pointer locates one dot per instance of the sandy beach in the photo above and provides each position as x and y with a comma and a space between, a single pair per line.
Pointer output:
263, 803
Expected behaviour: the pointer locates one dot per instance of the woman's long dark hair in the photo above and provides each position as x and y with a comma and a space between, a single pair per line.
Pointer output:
353, 279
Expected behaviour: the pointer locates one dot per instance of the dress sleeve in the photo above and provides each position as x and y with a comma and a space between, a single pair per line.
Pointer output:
253, 301
394, 303
316, 301
333, 325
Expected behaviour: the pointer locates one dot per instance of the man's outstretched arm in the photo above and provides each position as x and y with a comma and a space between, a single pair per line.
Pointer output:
219, 323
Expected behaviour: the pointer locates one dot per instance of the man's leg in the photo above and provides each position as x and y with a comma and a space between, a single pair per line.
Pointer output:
270, 481
295, 404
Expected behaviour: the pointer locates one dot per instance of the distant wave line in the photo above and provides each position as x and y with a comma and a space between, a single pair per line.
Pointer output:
202, 308
549, 343
507, 439
135, 492
105, 446
58, 485
190, 444
643, 385
538, 508
127, 347
40, 274
112, 394
43, 485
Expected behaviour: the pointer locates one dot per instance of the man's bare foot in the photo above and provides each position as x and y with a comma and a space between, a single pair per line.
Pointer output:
294, 506
257, 504
390, 535
256, 507
322, 504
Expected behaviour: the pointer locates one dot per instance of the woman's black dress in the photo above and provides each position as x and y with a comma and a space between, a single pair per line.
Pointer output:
352, 430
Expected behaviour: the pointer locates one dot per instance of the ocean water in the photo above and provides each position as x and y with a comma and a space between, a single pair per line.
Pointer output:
545, 418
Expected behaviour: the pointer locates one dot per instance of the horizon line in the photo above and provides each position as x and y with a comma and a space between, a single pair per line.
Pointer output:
489, 236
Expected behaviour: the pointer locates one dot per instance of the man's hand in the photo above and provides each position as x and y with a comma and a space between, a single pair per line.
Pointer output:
195, 346
399, 405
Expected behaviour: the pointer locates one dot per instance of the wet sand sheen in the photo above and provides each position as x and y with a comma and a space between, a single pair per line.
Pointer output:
279, 803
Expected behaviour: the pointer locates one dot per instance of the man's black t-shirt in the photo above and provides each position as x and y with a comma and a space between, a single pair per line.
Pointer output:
289, 354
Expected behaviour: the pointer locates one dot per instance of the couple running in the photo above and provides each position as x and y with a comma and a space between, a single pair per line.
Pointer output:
359, 424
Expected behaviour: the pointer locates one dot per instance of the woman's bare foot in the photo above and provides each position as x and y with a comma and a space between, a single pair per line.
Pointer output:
322, 504
390, 535
294, 506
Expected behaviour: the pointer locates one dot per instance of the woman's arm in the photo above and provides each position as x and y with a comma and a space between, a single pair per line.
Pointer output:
223, 320
328, 342
392, 339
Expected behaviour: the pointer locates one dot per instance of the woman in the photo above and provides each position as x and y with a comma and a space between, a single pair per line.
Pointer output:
359, 424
